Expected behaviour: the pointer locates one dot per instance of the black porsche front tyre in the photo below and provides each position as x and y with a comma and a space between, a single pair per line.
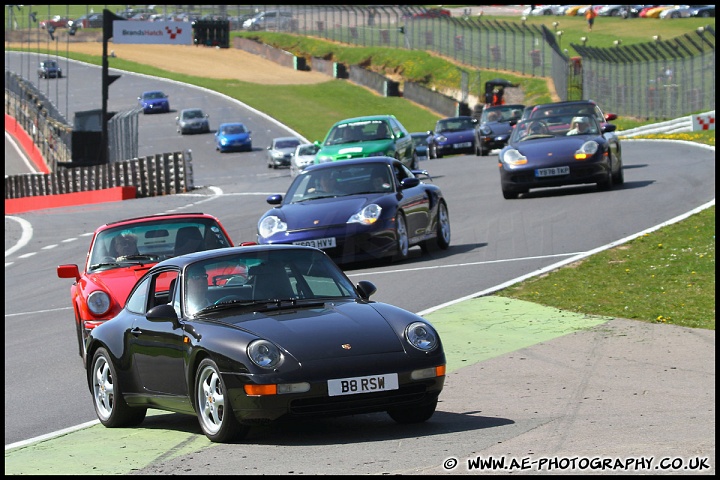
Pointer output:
212, 404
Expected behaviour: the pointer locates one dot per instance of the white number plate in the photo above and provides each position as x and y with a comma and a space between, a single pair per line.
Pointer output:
462, 145
552, 172
318, 243
372, 383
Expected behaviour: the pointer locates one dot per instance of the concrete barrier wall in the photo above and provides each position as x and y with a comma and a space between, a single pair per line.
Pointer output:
443, 104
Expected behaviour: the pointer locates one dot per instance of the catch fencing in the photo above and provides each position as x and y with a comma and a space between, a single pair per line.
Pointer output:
657, 80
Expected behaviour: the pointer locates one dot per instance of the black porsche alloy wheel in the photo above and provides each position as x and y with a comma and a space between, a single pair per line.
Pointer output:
213, 408
110, 406
403, 242
413, 414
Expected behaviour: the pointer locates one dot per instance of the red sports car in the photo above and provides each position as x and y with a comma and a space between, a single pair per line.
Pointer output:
434, 13
57, 22
121, 252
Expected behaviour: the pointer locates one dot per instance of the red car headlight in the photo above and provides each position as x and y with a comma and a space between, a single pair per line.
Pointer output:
98, 302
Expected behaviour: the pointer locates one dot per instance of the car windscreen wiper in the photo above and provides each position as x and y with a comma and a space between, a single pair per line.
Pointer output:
264, 304
104, 264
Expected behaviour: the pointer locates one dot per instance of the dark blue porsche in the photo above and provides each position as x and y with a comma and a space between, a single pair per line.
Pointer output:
558, 150
451, 136
356, 210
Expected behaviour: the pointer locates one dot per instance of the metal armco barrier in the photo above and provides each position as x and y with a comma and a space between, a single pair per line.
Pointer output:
155, 175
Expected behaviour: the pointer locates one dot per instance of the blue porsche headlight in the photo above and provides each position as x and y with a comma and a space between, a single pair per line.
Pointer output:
271, 225
513, 158
224, 141
264, 354
422, 336
485, 130
367, 216
98, 302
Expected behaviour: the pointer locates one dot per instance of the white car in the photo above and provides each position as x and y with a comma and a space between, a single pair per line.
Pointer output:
678, 11
304, 155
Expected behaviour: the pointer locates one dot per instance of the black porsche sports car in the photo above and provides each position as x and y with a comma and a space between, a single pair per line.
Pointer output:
242, 336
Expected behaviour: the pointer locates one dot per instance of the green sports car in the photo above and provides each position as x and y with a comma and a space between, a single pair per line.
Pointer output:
371, 136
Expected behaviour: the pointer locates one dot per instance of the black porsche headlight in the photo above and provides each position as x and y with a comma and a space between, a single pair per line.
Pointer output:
264, 354
422, 336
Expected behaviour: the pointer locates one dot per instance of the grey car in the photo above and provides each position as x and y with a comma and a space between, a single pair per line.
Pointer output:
281, 151
192, 120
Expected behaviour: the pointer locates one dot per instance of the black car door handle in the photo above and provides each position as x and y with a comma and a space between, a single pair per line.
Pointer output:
136, 331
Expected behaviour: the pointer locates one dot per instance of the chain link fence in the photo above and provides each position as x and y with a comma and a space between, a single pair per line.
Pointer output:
657, 80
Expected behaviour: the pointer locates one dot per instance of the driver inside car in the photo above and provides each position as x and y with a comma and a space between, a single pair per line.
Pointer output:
124, 245
196, 289
579, 126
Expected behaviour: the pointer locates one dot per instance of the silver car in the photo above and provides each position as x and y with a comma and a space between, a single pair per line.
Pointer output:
192, 120
281, 151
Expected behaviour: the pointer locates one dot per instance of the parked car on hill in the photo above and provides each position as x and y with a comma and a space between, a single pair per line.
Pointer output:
357, 210
270, 20
291, 337
122, 251
434, 12
57, 21
704, 11
677, 11
452, 135
369, 136
94, 20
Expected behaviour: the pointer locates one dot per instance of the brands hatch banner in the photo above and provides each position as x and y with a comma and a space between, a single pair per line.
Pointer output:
174, 33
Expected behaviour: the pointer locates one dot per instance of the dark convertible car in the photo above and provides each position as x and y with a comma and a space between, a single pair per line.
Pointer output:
496, 125
243, 336
558, 150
